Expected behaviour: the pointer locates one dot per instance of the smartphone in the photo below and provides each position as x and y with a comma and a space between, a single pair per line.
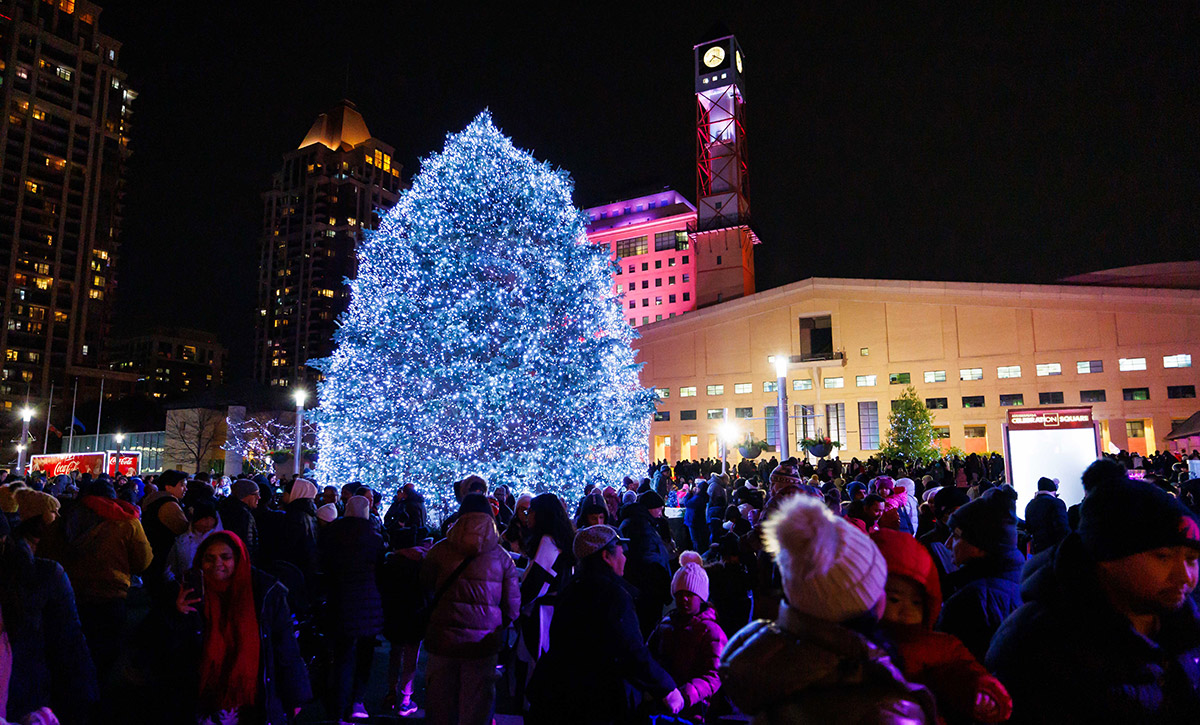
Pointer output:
194, 579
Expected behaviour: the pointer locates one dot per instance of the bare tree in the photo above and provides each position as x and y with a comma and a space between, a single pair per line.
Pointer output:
194, 435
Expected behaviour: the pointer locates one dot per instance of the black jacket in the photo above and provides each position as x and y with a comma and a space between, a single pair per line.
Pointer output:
987, 591
238, 518
647, 550
1067, 657
598, 664
350, 552
298, 538
1046, 521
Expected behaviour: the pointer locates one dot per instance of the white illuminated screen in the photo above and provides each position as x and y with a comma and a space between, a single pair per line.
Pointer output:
1061, 454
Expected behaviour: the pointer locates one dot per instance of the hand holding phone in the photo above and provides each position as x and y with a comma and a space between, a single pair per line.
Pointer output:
191, 591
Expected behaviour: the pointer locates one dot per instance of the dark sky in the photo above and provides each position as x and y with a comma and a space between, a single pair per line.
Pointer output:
962, 143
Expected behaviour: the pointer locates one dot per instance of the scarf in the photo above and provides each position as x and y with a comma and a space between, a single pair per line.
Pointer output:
230, 651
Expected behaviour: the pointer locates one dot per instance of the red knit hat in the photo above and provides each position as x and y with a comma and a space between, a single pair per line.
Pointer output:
907, 557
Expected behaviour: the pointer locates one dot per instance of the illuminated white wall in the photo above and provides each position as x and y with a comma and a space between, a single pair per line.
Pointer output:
1061, 454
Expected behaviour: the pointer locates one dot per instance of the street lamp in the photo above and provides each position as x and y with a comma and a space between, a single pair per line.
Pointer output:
727, 433
120, 438
781, 366
300, 395
26, 416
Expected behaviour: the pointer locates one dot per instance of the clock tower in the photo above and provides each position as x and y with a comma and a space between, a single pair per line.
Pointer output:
723, 240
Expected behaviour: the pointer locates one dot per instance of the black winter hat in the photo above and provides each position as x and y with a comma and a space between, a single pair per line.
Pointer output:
651, 500
169, 477
1047, 484
950, 497
990, 521
475, 503
1121, 519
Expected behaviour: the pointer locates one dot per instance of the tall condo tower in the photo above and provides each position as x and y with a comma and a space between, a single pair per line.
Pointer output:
724, 242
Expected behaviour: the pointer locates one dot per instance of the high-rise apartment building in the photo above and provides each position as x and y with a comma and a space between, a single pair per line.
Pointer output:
64, 141
337, 184
170, 361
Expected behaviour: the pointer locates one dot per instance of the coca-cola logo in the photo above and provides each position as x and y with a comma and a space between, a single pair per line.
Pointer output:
63, 468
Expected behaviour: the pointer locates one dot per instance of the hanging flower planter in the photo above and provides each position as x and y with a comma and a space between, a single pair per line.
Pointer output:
819, 447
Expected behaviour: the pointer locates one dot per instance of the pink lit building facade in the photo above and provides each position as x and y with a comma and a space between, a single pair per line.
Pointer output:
656, 267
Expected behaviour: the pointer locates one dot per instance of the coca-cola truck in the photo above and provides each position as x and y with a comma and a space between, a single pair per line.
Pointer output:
94, 463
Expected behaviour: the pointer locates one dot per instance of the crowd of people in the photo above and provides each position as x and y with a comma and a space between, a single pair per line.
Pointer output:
867, 591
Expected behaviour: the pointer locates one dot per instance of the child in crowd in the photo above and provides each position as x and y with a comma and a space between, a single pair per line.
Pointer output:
204, 521
688, 641
965, 691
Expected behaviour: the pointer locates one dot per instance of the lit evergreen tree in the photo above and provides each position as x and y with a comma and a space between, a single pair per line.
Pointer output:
483, 336
910, 436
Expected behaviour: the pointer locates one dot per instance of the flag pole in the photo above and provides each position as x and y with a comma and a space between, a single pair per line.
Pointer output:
49, 410
99, 410
74, 396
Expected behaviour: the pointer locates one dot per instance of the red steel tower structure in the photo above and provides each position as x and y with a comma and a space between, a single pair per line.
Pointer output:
724, 242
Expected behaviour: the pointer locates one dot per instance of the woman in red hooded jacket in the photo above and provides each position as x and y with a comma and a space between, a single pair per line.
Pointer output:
965, 691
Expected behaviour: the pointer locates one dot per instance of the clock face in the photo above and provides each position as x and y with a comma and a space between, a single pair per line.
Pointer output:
737, 59
714, 56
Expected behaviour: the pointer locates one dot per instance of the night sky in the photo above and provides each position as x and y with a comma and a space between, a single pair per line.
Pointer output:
972, 144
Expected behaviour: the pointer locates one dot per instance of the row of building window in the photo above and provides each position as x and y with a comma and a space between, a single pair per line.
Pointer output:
659, 300
658, 264
658, 282
646, 319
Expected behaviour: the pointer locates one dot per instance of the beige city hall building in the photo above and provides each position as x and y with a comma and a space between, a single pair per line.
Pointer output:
973, 351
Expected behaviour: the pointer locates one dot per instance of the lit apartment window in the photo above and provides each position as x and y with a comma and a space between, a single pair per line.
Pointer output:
663, 392
935, 376
1007, 401
716, 389
1008, 371
970, 374
688, 392
1083, 367
899, 378
937, 403
864, 381
1136, 393
743, 412
975, 431
743, 388
802, 384
1092, 396
770, 386
941, 432
1129, 364
661, 415
64, 73
1183, 360
716, 413
972, 401
834, 383
1044, 369
658, 301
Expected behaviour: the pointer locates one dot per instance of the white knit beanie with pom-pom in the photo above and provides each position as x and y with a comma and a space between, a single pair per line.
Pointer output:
831, 569
691, 576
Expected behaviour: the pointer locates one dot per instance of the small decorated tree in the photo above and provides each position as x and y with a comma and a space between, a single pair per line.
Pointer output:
910, 437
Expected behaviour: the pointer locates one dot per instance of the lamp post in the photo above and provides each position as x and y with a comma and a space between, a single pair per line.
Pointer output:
26, 416
120, 438
726, 433
300, 395
781, 414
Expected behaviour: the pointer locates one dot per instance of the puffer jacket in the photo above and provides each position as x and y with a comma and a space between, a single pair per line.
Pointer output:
798, 669
470, 617
100, 543
989, 590
689, 648
351, 551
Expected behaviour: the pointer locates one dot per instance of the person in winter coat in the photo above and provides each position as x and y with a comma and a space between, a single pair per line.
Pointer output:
1107, 617
648, 567
44, 659
988, 580
232, 644
404, 601
297, 535
822, 660
729, 585
204, 521
718, 500
163, 520
688, 641
1046, 517
695, 513
237, 514
350, 550
965, 692
598, 670
477, 595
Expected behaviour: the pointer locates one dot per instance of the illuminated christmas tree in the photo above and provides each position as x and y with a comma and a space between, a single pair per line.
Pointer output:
483, 336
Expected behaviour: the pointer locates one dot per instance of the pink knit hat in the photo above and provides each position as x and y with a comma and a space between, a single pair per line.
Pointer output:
831, 570
691, 576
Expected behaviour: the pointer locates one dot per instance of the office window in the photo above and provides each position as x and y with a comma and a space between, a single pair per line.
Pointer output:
688, 392
802, 384
935, 376
970, 374
1129, 364
941, 432
716, 390
645, 319
1050, 398
645, 284
899, 378
743, 388
743, 412
972, 401
1083, 367
645, 302
632, 247
1181, 391
632, 304
1136, 393
770, 386
663, 392
661, 415
687, 415
1182, 360
1044, 369
664, 241
687, 296
771, 413
1006, 401
657, 301
1092, 396
864, 381
671, 301
864, 351
716, 413
937, 403
868, 425
687, 278
975, 431
834, 383
631, 269
1135, 428
1008, 371
835, 421
681, 240
645, 266
671, 279
806, 421
658, 282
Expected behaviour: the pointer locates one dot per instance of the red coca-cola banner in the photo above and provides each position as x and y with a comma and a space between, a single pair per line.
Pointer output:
60, 464
130, 463
1050, 418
